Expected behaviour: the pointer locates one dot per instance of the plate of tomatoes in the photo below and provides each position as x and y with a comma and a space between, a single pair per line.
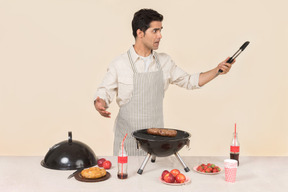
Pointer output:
207, 169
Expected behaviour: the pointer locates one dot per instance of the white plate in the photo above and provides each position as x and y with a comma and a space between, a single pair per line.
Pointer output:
195, 169
176, 184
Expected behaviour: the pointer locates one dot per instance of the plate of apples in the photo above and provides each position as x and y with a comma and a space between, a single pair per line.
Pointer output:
174, 177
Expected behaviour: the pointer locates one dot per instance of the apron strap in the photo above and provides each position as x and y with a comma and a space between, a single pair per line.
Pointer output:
157, 61
131, 62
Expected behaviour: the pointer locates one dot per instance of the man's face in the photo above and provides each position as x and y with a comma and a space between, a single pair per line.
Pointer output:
151, 38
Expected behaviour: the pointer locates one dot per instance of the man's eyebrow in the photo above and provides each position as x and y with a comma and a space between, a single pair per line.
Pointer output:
158, 28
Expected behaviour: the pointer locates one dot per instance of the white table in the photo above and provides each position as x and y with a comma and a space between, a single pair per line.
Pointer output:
21, 174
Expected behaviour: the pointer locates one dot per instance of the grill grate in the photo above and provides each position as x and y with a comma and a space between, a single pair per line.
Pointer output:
142, 134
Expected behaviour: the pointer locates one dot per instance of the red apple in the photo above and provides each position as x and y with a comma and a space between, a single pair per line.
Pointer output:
164, 173
169, 178
180, 178
175, 172
100, 162
107, 164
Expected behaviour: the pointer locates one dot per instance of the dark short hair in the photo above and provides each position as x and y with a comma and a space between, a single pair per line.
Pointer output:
143, 18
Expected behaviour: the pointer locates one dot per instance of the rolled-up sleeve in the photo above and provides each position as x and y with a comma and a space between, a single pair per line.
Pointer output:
182, 79
108, 88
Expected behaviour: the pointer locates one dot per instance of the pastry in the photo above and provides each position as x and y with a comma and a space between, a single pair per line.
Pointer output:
93, 173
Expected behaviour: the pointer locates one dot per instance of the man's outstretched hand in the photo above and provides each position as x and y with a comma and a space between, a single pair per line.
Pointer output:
101, 107
224, 66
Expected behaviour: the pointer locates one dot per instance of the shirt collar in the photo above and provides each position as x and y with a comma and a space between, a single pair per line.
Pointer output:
135, 56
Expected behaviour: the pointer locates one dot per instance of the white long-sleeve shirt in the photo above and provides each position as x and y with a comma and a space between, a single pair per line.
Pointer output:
119, 77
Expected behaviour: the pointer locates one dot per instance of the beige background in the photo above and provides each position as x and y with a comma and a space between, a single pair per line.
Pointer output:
54, 54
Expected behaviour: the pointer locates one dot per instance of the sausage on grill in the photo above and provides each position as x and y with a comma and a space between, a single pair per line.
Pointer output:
162, 132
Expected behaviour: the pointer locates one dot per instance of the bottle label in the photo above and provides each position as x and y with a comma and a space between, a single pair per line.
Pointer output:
123, 159
234, 149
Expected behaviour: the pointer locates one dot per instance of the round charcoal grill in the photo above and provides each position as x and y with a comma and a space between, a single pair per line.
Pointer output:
160, 146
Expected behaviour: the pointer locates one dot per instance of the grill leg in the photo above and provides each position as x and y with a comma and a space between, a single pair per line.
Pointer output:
140, 171
182, 162
153, 159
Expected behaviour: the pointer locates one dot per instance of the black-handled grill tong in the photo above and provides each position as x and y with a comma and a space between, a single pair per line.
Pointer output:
231, 59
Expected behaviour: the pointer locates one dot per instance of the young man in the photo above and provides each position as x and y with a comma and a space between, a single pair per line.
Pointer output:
139, 79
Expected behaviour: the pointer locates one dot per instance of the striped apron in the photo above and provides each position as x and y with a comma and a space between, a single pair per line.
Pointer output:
144, 110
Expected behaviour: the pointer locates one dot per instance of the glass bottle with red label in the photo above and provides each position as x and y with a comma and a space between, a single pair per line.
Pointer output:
122, 162
235, 148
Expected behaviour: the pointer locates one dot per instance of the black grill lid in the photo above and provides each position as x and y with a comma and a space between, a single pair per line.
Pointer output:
69, 155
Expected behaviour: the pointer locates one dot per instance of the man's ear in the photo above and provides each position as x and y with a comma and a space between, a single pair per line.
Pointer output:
140, 33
